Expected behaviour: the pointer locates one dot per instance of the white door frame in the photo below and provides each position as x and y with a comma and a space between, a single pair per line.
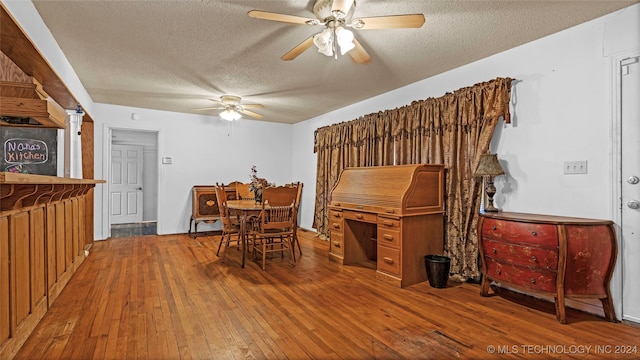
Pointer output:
107, 132
616, 171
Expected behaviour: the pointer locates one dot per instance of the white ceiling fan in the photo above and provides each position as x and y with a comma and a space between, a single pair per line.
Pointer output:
232, 108
337, 16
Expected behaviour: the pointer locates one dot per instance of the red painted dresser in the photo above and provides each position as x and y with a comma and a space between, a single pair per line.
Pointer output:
564, 256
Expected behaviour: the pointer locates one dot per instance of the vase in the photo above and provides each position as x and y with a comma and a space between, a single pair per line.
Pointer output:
258, 194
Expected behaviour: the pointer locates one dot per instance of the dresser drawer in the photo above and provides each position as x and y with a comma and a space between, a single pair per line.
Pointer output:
544, 258
521, 232
531, 278
337, 244
389, 260
388, 238
360, 216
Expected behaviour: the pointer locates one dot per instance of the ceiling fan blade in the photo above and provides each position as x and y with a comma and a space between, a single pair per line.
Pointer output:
388, 22
359, 54
217, 101
251, 113
253, 106
293, 53
207, 108
342, 6
265, 15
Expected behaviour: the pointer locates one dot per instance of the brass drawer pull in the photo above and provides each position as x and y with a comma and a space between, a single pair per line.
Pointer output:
336, 215
388, 223
534, 258
336, 244
495, 251
388, 260
534, 233
498, 271
387, 237
390, 211
336, 226
493, 227
533, 281
359, 216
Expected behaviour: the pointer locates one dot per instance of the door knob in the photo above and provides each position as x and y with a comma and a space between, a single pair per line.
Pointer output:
633, 204
139, 188
633, 180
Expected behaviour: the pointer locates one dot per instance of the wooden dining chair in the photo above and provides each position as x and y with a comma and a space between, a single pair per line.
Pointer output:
286, 195
243, 192
295, 233
273, 231
230, 224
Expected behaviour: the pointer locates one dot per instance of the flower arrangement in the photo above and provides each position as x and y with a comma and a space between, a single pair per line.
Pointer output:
256, 182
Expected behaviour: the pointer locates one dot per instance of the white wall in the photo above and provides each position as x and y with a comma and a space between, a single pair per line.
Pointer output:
562, 110
204, 150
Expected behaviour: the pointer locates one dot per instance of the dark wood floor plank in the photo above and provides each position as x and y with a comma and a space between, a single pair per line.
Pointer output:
171, 297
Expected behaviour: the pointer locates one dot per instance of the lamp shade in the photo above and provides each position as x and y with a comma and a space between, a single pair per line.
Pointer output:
488, 165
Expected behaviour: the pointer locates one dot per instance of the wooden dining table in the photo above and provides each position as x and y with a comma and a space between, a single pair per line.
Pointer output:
244, 209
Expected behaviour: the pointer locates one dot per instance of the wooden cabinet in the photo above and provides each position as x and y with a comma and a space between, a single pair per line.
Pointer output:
563, 256
389, 217
204, 205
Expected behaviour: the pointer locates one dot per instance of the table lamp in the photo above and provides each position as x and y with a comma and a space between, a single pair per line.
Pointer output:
488, 167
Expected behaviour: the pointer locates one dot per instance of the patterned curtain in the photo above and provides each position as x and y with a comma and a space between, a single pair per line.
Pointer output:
452, 130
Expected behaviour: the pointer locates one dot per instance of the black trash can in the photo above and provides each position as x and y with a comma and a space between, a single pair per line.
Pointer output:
437, 270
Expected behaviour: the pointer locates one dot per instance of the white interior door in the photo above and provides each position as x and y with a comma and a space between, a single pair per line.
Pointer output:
125, 186
630, 158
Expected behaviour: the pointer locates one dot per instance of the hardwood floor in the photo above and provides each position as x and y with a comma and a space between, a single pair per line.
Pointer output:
170, 297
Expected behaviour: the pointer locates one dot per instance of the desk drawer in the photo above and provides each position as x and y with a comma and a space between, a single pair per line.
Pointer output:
521, 232
360, 216
521, 255
334, 215
389, 260
337, 244
335, 225
388, 223
388, 238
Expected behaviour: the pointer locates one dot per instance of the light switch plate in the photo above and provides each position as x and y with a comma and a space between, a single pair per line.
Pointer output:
575, 167
167, 160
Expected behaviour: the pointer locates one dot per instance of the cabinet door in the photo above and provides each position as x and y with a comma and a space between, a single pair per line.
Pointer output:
205, 202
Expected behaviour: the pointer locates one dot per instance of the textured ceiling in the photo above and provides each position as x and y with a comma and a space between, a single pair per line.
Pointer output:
175, 55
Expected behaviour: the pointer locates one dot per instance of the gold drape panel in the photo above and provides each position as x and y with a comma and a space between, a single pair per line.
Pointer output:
452, 130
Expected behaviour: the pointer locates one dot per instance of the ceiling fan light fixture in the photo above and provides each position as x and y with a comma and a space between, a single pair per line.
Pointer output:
230, 115
344, 38
324, 42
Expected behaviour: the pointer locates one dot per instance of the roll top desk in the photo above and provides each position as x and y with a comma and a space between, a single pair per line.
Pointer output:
389, 217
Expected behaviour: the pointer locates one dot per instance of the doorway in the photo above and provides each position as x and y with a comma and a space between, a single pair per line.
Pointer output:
133, 182
628, 179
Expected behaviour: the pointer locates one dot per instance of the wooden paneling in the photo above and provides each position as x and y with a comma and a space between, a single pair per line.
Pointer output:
17, 47
4, 279
19, 246
88, 144
42, 240
9, 71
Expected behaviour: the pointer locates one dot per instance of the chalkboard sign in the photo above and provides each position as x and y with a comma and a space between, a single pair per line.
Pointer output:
29, 150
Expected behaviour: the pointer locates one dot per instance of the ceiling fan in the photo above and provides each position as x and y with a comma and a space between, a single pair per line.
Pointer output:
232, 108
336, 16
